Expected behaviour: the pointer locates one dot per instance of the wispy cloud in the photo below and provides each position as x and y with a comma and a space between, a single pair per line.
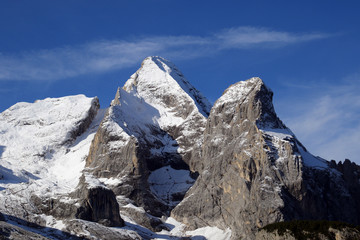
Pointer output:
328, 122
105, 55
245, 37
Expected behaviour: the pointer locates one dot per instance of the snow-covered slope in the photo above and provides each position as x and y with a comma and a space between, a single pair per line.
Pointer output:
43, 148
32, 133
168, 100
158, 79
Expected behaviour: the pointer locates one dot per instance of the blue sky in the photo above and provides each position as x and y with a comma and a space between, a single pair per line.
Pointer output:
307, 52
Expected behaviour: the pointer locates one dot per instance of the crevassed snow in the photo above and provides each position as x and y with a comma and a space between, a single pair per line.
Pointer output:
166, 182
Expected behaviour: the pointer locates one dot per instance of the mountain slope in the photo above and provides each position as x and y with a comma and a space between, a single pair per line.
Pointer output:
151, 128
44, 145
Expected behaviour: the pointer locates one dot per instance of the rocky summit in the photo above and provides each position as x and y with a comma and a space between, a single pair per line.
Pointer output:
161, 162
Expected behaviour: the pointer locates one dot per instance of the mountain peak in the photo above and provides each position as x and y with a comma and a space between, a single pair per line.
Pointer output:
158, 78
159, 61
260, 96
239, 91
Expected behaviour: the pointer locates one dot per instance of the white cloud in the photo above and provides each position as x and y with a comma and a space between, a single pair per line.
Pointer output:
103, 56
328, 122
244, 37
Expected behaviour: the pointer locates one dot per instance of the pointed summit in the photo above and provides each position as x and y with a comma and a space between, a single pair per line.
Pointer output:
256, 92
158, 79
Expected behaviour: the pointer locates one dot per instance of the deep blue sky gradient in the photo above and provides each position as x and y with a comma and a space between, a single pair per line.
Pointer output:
315, 81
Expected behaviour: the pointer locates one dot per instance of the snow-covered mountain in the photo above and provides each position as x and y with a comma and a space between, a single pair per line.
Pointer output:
161, 162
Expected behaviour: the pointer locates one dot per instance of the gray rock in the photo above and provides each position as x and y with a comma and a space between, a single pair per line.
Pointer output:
9, 231
91, 203
144, 219
27, 231
256, 172
98, 204
94, 231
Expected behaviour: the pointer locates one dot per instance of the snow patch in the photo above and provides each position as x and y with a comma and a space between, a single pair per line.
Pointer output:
278, 133
312, 161
210, 233
166, 183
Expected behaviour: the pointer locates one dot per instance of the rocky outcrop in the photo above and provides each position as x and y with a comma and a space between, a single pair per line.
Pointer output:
20, 229
256, 172
82, 125
91, 201
9, 231
92, 230
98, 204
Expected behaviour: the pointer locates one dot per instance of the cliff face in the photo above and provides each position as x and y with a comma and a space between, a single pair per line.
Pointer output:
256, 172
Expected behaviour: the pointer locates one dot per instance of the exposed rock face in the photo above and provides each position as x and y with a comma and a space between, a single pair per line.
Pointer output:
91, 230
155, 121
98, 204
256, 172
